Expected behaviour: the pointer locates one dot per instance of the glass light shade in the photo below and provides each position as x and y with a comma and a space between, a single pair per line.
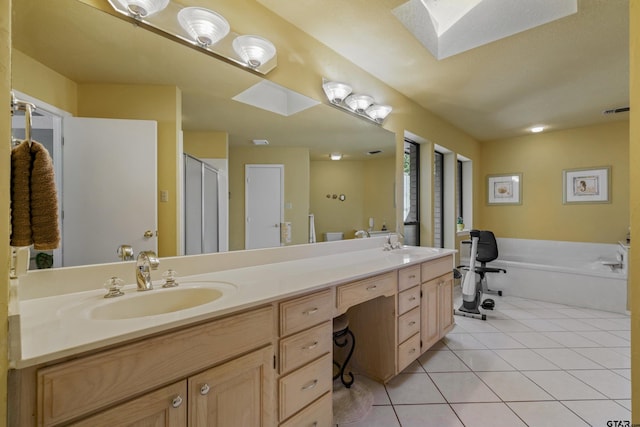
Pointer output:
140, 8
254, 50
336, 91
378, 112
205, 26
359, 103
336, 156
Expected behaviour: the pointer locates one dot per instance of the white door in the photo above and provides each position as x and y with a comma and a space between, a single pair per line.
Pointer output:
264, 205
109, 188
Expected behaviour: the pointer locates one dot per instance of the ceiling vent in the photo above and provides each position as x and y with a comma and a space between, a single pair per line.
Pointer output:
260, 142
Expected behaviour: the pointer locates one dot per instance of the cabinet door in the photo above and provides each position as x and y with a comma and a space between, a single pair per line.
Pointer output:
446, 305
237, 393
165, 407
429, 315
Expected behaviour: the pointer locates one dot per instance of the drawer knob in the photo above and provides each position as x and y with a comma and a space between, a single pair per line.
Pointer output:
177, 401
204, 390
310, 346
413, 322
312, 311
413, 350
311, 385
413, 276
412, 299
372, 287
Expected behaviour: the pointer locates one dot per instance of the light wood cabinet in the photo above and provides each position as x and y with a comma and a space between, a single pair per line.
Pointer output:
236, 393
437, 309
166, 407
305, 356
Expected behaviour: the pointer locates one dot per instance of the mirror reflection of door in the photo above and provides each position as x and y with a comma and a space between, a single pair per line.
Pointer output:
201, 207
264, 205
110, 195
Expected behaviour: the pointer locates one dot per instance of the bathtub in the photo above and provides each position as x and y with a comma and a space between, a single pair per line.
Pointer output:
570, 273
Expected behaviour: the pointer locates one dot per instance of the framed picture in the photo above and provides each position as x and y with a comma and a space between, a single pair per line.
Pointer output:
586, 185
504, 189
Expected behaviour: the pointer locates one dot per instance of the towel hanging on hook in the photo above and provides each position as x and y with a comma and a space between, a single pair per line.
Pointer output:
28, 108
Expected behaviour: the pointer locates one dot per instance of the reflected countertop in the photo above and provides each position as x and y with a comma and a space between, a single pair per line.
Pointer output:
58, 326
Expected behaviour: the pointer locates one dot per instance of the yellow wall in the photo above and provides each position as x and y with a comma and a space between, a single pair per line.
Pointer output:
369, 189
541, 159
206, 145
35, 79
296, 188
5, 167
634, 161
159, 103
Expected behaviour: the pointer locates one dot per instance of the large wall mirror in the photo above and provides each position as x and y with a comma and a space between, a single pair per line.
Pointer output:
89, 63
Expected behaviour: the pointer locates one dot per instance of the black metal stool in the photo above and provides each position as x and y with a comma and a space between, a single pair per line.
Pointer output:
341, 337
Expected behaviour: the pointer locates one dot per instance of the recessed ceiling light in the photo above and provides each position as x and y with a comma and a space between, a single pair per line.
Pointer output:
537, 129
260, 142
336, 156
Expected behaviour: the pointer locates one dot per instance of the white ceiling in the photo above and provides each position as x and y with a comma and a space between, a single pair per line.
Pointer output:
562, 74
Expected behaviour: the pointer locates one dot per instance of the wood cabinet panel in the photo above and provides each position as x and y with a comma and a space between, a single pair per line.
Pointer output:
408, 277
364, 290
318, 414
304, 312
166, 407
304, 385
408, 351
236, 393
305, 346
430, 316
436, 268
408, 299
71, 389
408, 324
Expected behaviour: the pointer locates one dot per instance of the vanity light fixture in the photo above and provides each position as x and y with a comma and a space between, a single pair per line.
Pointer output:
537, 129
336, 156
336, 92
254, 50
205, 26
339, 95
359, 103
378, 112
140, 8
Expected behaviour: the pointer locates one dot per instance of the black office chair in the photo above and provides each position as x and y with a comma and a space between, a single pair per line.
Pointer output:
484, 249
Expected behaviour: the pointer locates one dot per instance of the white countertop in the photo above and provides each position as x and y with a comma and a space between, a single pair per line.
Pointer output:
58, 326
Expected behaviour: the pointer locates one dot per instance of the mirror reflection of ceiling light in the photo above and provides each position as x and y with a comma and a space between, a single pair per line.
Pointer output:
336, 92
254, 50
140, 8
537, 129
336, 156
339, 95
205, 26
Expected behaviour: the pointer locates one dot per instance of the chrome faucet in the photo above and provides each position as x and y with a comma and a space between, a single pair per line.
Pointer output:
147, 261
362, 233
393, 243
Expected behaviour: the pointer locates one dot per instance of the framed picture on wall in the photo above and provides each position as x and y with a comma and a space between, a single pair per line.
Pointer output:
504, 189
590, 185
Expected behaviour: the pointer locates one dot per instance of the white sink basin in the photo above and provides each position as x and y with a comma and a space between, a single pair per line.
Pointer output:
158, 301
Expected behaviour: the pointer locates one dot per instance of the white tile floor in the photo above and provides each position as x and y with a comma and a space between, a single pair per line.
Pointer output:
531, 363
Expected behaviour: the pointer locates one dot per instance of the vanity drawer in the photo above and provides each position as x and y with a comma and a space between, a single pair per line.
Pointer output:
305, 385
437, 267
318, 414
302, 313
408, 277
408, 299
305, 346
77, 387
408, 324
364, 290
408, 351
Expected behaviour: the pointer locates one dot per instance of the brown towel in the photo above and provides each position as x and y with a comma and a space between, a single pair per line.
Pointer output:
20, 199
44, 200
34, 199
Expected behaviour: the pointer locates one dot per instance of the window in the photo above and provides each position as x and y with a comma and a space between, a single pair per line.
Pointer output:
411, 193
438, 200
459, 191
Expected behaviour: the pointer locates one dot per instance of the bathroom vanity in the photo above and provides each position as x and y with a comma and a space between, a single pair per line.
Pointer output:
262, 354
